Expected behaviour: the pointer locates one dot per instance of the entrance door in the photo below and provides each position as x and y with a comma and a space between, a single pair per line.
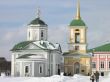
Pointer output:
76, 68
102, 73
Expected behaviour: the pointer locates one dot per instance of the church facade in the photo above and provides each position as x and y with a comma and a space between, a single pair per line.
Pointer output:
36, 57
77, 60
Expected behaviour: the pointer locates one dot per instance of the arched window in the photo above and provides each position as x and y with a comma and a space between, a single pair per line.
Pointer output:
76, 29
40, 68
77, 37
42, 34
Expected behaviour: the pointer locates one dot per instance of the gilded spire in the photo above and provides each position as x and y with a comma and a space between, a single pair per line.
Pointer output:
38, 12
78, 10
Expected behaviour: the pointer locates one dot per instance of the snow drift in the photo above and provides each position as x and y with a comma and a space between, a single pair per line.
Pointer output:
54, 78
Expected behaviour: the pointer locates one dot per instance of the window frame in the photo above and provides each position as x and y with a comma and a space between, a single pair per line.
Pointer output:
76, 48
93, 65
28, 68
77, 37
102, 65
109, 64
42, 34
27, 73
40, 68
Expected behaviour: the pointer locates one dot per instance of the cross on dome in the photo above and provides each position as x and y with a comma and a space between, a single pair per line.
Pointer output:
38, 12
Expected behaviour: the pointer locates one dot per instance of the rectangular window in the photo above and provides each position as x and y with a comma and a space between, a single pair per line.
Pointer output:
26, 69
76, 47
40, 68
29, 35
93, 64
109, 65
102, 64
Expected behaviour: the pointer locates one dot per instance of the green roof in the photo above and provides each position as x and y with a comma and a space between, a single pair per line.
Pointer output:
77, 22
37, 21
21, 45
45, 45
103, 48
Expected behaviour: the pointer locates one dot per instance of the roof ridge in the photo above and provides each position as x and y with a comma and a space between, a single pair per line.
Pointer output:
21, 45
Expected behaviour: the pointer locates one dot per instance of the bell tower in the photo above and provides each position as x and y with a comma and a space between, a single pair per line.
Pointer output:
77, 30
77, 60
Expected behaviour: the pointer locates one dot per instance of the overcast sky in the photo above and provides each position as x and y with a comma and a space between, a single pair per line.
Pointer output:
16, 14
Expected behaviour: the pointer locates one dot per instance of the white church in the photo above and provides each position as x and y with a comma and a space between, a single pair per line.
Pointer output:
36, 57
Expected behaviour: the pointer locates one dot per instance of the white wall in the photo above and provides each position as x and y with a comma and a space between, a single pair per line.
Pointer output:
34, 32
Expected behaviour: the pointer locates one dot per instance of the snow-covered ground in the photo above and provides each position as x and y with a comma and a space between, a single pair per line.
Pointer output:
55, 78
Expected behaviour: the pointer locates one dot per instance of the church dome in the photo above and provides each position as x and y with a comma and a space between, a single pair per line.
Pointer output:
37, 21
78, 22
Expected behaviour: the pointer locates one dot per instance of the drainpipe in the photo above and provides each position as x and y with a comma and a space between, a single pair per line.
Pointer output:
49, 63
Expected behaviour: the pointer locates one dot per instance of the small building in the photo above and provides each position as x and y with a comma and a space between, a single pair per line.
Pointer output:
77, 60
101, 59
36, 57
5, 66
